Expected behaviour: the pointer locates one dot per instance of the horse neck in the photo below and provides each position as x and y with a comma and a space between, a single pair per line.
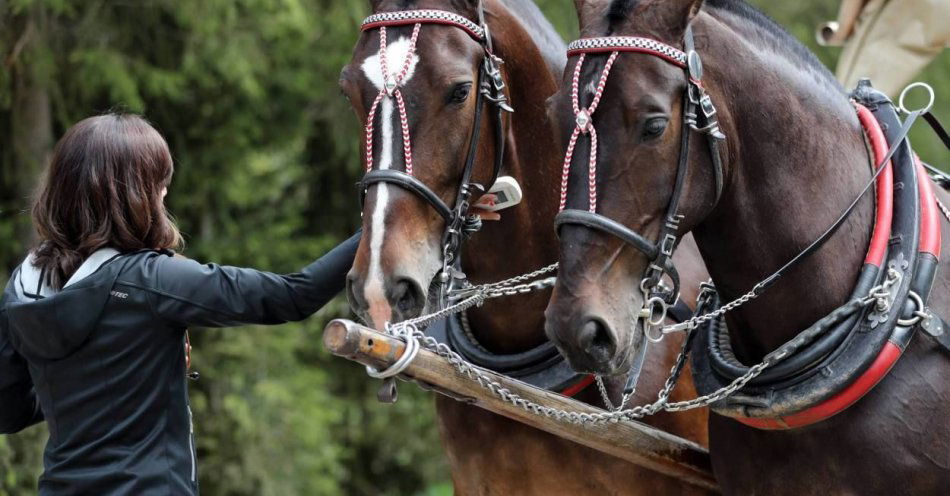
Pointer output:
524, 238
797, 158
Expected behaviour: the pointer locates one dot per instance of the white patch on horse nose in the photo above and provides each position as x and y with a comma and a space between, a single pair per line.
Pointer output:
375, 289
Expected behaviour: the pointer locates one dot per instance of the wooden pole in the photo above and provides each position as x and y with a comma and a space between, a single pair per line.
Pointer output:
631, 441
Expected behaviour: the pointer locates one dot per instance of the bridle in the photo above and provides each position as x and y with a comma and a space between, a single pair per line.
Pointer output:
699, 115
490, 93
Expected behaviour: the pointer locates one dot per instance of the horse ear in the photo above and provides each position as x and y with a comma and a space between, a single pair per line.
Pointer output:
466, 7
589, 10
681, 13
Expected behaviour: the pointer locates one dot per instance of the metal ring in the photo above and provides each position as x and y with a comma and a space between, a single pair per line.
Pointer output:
918, 312
924, 109
412, 349
656, 318
646, 333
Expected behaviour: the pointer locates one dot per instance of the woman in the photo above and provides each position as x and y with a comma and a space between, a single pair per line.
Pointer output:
92, 324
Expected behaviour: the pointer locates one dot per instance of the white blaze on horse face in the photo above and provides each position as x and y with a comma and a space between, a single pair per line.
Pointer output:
592, 87
375, 289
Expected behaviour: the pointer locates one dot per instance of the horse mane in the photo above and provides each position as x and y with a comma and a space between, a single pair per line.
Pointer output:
769, 31
548, 40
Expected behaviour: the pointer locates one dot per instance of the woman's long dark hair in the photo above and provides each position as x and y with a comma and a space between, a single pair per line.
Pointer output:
103, 188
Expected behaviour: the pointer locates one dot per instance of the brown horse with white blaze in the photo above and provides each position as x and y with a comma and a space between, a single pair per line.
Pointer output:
792, 156
435, 65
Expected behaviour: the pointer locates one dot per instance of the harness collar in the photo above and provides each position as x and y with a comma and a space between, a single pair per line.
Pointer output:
849, 358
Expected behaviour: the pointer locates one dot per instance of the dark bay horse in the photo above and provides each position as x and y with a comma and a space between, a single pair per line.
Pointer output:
401, 251
793, 157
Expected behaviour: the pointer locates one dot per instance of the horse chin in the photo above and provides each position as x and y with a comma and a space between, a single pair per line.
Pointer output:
621, 363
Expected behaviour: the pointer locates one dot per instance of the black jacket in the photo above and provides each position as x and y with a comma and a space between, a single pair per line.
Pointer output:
103, 361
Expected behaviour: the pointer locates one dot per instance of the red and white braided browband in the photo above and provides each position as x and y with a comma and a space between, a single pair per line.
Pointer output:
628, 44
406, 17
583, 116
391, 84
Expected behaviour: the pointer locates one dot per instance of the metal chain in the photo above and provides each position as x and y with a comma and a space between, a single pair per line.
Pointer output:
476, 295
519, 279
624, 399
698, 320
410, 330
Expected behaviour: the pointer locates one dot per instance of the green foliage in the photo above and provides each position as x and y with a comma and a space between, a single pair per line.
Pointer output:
267, 153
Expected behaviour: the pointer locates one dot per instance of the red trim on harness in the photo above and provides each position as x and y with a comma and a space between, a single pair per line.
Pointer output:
571, 53
581, 385
929, 218
929, 243
885, 187
410, 22
837, 403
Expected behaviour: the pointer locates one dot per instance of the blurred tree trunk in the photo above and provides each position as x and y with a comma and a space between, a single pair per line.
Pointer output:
31, 122
31, 139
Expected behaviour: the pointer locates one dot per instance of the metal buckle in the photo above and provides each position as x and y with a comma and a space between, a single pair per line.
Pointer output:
668, 244
494, 88
706, 104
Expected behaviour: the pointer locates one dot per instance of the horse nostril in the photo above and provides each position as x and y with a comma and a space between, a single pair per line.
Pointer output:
351, 282
596, 340
408, 297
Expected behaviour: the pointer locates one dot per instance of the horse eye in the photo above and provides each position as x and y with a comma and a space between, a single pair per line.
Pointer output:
460, 92
654, 127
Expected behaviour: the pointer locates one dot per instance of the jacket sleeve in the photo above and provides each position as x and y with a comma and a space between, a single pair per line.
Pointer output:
19, 407
188, 293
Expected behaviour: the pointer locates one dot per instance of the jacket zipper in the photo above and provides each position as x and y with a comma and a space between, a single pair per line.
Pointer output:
191, 444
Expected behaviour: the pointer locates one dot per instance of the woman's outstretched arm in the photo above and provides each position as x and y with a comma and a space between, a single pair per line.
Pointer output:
187, 293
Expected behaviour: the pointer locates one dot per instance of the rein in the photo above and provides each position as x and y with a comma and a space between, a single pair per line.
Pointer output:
490, 93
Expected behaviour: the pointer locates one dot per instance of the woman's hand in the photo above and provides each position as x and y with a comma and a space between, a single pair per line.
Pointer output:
487, 200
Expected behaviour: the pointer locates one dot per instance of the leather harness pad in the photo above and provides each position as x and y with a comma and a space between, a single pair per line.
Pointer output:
844, 363
541, 367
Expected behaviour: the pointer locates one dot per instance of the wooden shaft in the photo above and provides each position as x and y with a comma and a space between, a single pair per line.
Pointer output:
631, 441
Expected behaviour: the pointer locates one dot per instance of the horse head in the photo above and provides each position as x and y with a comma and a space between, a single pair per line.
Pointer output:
414, 82
627, 193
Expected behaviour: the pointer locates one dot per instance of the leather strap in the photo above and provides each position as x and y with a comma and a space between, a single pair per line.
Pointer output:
407, 182
605, 224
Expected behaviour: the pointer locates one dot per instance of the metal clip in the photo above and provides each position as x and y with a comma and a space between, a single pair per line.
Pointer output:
932, 324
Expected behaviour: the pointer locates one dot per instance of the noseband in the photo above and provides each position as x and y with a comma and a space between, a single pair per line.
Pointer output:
490, 92
699, 114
